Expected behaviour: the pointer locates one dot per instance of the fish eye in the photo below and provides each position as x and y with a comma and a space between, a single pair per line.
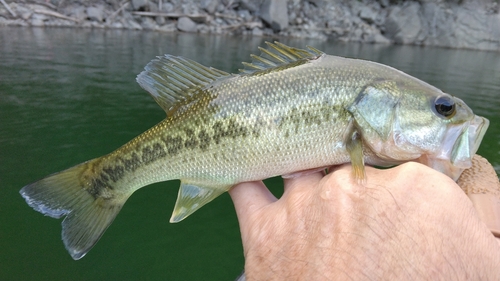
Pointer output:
445, 106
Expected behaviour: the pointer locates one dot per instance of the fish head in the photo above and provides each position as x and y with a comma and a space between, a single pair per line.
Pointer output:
414, 121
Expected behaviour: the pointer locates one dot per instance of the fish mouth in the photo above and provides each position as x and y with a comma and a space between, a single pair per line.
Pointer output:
459, 146
468, 142
480, 125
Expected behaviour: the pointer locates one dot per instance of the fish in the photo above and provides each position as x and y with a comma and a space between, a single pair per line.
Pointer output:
288, 110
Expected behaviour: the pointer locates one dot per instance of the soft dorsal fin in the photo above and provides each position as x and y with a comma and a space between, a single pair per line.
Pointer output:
171, 80
278, 55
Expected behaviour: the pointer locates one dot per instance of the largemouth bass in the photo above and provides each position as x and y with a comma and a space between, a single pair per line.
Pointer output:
289, 110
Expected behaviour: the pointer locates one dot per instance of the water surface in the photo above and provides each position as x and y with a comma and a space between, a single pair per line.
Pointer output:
69, 95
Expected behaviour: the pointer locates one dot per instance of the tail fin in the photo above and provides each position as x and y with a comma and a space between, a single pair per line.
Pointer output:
69, 193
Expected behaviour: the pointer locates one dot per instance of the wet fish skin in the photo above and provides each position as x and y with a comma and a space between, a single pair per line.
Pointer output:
290, 110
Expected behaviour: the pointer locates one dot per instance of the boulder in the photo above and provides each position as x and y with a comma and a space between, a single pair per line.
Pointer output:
170, 27
38, 19
251, 5
186, 24
149, 23
368, 14
139, 4
275, 14
209, 5
76, 11
257, 31
95, 13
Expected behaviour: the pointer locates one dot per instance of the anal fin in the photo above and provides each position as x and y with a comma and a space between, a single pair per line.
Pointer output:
191, 197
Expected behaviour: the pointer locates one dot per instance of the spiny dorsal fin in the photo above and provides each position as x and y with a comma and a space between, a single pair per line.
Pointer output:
278, 55
171, 80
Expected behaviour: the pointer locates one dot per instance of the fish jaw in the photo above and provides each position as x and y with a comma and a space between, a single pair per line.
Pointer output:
477, 129
459, 146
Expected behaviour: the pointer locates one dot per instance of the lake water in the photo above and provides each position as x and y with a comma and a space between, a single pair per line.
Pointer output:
69, 95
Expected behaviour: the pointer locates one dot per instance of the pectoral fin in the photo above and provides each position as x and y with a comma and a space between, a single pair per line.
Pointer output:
354, 145
191, 197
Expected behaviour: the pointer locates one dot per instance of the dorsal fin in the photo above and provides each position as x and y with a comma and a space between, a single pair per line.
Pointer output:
171, 80
278, 55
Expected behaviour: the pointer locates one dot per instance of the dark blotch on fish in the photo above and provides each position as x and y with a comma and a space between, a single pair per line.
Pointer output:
173, 144
97, 186
152, 153
204, 139
115, 173
132, 163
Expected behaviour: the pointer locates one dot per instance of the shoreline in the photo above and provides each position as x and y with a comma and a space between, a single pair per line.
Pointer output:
468, 24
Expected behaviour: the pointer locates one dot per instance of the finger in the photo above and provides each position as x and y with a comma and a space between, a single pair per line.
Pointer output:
248, 197
305, 179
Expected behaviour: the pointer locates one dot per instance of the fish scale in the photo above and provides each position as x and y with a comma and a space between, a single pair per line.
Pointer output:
288, 111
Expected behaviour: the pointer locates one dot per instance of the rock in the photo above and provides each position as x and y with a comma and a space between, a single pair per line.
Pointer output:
170, 27
368, 14
209, 5
22, 11
38, 19
26, 15
186, 24
245, 15
189, 8
473, 24
14, 22
95, 13
310, 11
153, 7
117, 25
167, 7
275, 14
474, 30
357, 35
460, 27
384, 3
139, 5
76, 11
132, 24
251, 5
160, 21
148, 23
372, 34
203, 29
404, 25
257, 31
221, 8
440, 24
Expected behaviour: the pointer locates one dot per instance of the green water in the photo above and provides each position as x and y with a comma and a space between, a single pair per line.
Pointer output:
69, 95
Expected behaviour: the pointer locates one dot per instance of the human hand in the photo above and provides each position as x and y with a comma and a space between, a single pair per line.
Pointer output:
408, 222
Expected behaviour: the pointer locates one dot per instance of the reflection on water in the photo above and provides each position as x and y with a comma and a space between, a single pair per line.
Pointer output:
69, 95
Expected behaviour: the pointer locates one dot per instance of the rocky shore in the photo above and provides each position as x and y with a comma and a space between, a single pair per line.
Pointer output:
472, 24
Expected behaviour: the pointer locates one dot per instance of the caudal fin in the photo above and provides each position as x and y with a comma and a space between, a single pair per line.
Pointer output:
67, 193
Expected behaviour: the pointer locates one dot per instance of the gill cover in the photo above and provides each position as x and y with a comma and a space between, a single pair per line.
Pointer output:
374, 111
